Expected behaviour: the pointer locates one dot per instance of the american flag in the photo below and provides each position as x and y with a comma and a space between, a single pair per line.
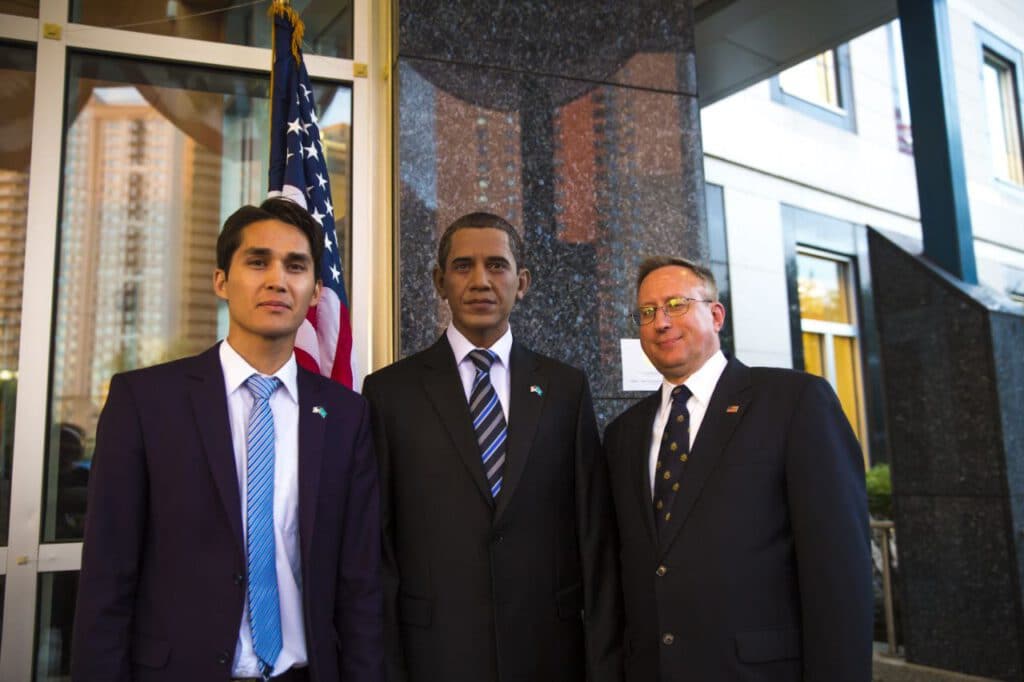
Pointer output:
298, 171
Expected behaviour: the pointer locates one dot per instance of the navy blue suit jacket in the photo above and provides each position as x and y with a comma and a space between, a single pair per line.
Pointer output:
763, 572
163, 566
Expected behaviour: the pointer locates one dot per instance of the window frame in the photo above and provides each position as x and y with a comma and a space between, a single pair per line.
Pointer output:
843, 116
829, 331
1001, 50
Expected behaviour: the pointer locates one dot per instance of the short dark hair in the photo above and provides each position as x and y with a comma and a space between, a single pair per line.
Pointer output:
704, 274
276, 208
482, 220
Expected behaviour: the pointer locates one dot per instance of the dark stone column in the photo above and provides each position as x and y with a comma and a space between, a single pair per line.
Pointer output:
954, 385
578, 122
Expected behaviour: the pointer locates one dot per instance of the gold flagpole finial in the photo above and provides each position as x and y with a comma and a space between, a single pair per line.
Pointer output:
284, 9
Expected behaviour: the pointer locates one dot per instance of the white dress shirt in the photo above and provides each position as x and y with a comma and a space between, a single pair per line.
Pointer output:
284, 404
500, 378
701, 384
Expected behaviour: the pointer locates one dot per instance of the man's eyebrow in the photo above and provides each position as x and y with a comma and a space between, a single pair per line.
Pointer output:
652, 304
291, 256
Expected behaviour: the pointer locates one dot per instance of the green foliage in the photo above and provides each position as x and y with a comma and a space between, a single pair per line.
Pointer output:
879, 486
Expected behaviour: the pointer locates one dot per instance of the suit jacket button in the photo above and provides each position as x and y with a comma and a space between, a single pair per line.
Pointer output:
498, 537
239, 578
667, 639
223, 658
661, 571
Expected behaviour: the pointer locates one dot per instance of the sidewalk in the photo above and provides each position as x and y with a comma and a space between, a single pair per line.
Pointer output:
888, 669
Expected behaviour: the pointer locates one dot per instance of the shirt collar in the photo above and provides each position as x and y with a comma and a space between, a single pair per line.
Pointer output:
237, 370
701, 383
461, 346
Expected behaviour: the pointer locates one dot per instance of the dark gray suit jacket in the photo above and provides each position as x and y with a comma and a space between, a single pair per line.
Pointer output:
521, 591
764, 571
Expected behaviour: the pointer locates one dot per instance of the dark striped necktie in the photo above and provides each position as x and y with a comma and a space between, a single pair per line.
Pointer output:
672, 456
488, 419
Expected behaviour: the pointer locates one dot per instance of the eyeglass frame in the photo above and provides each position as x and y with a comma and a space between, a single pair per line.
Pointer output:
635, 314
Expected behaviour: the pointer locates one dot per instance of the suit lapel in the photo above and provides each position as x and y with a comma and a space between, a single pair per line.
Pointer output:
727, 407
210, 410
639, 431
311, 450
444, 389
527, 389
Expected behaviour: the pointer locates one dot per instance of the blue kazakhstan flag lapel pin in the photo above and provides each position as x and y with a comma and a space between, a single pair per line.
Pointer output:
319, 410
537, 389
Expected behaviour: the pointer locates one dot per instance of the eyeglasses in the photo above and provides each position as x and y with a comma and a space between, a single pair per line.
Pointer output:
674, 307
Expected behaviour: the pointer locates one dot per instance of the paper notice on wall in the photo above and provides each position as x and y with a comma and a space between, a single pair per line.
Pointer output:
638, 374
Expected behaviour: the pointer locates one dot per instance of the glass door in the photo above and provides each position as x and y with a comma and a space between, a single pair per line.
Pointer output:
130, 132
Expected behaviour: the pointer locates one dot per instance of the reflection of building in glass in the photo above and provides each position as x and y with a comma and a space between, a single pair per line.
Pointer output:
486, 175
140, 220
13, 217
336, 141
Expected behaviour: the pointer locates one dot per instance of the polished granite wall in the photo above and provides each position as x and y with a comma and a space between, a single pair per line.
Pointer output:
575, 120
954, 377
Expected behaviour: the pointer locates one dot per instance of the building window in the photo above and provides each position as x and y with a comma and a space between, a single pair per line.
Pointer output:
819, 87
829, 329
17, 72
1002, 111
814, 80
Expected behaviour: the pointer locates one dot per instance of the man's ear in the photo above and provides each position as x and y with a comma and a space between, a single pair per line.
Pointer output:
524, 284
438, 278
718, 315
220, 282
317, 290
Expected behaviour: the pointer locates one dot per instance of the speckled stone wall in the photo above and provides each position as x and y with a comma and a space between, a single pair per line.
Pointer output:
953, 357
575, 120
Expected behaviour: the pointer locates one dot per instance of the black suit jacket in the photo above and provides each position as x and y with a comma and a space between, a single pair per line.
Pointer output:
764, 571
525, 590
162, 586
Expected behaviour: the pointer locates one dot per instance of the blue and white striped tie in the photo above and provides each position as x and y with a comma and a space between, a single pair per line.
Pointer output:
264, 607
488, 419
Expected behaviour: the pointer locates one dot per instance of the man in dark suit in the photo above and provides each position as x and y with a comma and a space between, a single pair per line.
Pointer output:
232, 527
740, 499
499, 548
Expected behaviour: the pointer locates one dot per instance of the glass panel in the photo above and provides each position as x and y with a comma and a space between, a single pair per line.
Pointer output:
156, 157
17, 73
54, 616
822, 288
814, 360
328, 22
1003, 120
20, 8
846, 380
813, 80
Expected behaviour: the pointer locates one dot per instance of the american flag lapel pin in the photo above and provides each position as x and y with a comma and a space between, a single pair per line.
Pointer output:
732, 409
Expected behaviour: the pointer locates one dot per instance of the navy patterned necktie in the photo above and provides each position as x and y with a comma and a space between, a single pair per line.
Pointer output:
488, 419
264, 607
672, 456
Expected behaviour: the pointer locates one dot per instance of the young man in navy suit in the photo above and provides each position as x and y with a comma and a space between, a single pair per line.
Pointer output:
740, 499
499, 543
232, 526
